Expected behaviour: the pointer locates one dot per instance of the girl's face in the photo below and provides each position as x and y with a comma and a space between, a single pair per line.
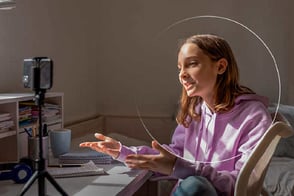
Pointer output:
197, 72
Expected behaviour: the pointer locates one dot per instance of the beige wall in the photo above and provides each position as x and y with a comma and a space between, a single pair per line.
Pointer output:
109, 55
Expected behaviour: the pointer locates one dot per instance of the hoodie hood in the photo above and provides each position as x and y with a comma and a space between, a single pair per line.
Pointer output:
243, 103
252, 97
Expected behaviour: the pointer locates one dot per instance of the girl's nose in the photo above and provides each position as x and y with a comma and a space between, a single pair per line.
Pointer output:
183, 73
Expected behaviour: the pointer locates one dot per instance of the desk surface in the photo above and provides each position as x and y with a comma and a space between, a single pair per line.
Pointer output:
119, 181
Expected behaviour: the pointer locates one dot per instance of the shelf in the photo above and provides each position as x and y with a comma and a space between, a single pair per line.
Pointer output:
58, 121
7, 134
16, 140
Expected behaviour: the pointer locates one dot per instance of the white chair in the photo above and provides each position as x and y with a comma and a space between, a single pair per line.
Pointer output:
251, 177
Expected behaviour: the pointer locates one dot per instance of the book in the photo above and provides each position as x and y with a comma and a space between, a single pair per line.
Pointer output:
87, 169
84, 156
4, 117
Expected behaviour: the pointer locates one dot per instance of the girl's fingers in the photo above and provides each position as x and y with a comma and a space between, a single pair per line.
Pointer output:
97, 146
164, 151
158, 147
141, 160
106, 145
137, 166
104, 138
89, 144
99, 136
85, 144
140, 164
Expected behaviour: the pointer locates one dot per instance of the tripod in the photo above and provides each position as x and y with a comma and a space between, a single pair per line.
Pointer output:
41, 172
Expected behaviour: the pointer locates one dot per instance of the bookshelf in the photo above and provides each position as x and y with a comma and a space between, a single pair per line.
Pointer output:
13, 138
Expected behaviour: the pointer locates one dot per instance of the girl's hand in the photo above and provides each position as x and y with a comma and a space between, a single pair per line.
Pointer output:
107, 145
162, 162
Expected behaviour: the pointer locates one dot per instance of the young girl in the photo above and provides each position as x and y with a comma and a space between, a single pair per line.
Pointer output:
219, 123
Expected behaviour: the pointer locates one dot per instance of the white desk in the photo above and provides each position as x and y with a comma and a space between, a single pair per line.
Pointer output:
120, 181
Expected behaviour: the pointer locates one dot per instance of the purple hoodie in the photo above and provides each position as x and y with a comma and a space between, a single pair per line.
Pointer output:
217, 146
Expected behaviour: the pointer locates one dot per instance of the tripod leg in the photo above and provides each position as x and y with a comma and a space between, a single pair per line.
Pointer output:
29, 183
41, 184
55, 184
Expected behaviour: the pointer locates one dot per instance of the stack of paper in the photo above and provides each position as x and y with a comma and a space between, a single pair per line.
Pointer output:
51, 112
80, 157
88, 169
29, 113
6, 123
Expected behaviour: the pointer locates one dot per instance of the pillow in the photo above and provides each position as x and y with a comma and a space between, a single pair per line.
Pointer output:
285, 146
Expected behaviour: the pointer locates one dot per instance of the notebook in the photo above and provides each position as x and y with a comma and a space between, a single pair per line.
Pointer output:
84, 156
87, 169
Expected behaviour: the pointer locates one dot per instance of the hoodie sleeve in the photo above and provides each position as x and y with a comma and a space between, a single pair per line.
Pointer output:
223, 181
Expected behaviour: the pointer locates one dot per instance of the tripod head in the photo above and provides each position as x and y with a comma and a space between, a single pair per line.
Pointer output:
38, 73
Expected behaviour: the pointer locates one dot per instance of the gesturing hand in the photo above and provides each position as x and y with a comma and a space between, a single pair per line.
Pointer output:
107, 145
162, 162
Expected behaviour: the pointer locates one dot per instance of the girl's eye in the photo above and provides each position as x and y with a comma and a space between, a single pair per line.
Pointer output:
192, 63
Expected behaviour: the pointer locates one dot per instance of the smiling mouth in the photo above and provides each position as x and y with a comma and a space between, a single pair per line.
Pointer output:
188, 85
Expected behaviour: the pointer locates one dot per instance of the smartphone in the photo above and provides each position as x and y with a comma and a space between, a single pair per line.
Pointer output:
38, 73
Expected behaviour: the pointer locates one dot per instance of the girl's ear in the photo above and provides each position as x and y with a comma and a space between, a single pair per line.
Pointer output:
222, 65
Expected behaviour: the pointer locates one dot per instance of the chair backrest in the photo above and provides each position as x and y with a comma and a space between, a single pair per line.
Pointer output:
251, 176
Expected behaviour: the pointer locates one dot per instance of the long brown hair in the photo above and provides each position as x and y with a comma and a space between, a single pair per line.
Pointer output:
227, 84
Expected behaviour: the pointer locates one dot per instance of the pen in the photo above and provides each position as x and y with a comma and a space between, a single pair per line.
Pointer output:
28, 132
45, 132
34, 131
70, 165
67, 165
